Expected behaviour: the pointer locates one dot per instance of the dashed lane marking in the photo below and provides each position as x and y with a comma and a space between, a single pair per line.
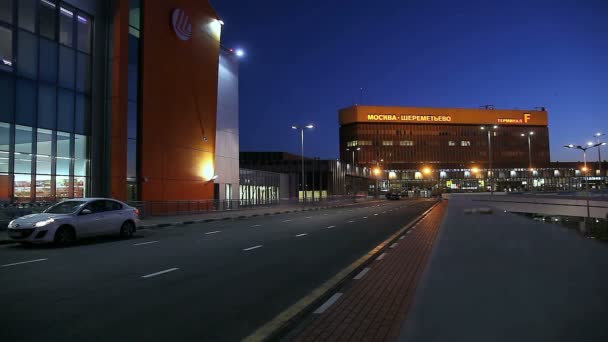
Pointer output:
145, 243
286, 221
213, 232
252, 248
303, 234
329, 227
159, 273
393, 245
256, 225
23, 262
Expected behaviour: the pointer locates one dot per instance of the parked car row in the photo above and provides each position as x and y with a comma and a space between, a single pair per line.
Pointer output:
72, 219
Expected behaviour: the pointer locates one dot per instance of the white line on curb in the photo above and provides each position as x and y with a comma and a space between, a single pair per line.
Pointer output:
328, 303
23, 262
393, 245
252, 248
362, 273
402, 237
381, 257
159, 273
144, 243
213, 232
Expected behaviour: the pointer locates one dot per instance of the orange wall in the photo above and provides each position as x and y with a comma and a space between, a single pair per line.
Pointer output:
178, 102
118, 148
455, 115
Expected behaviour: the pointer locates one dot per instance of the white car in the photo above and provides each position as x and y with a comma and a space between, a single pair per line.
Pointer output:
66, 221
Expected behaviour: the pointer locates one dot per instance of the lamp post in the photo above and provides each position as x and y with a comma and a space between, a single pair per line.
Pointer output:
585, 169
490, 130
599, 152
530, 134
301, 129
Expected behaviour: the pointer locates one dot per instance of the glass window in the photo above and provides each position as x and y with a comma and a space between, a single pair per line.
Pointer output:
4, 167
5, 136
465, 143
132, 120
67, 67
27, 54
26, 104
23, 149
84, 33
44, 147
82, 115
63, 188
48, 60
47, 18
63, 153
6, 11
47, 106
7, 98
131, 158
65, 110
6, 48
66, 26
80, 187
23, 188
83, 73
27, 14
451, 143
80, 150
44, 189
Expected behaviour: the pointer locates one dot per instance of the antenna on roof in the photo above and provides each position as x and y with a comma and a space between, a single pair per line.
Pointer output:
542, 109
488, 106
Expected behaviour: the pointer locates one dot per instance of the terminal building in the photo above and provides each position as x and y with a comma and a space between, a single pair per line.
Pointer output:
116, 98
457, 149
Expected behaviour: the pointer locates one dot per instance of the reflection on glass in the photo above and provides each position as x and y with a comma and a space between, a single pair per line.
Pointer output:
5, 138
27, 48
6, 49
80, 184
62, 187
22, 188
26, 102
83, 33
66, 28
65, 110
27, 14
67, 67
44, 147
48, 60
7, 98
47, 106
47, 16
43, 188
4, 162
6, 11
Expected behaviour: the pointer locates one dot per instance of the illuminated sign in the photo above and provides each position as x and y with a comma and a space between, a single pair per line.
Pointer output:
181, 24
408, 117
525, 119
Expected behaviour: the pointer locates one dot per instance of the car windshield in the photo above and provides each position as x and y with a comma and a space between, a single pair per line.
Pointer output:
66, 207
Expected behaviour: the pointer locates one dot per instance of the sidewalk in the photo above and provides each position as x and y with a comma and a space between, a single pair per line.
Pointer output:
169, 221
491, 276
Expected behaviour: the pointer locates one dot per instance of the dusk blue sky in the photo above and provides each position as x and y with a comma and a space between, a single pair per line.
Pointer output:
307, 59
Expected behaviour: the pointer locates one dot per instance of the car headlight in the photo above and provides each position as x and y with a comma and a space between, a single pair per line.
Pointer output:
10, 224
44, 223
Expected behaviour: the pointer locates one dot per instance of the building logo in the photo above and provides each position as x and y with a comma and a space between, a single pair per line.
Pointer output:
181, 24
527, 117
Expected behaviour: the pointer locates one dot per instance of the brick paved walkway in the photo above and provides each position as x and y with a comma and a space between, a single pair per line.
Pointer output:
373, 307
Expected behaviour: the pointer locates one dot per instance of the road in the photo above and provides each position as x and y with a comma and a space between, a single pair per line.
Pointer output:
213, 281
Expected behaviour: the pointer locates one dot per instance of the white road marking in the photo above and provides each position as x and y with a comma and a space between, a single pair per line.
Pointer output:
375, 214
144, 243
286, 221
351, 221
402, 237
328, 303
23, 262
159, 273
308, 217
409, 231
381, 257
393, 245
384, 212
213, 232
362, 273
256, 225
304, 234
330, 227
364, 216
252, 248
324, 214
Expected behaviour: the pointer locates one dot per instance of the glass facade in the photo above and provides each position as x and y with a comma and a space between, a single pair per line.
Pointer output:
133, 101
258, 187
45, 91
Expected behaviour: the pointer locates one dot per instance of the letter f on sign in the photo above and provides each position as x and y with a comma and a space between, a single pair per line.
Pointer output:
526, 118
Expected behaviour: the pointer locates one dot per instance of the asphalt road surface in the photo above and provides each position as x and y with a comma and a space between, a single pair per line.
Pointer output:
208, 282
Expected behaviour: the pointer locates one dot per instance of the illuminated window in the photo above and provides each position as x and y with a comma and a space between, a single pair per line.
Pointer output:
387, 143
406, 143
351, 143
465, 143
451, 143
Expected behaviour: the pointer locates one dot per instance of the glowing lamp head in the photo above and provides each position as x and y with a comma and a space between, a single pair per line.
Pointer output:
207, 172
377, 171
495, 127
474, 170
239, 52
426, 170
310, 126
482, 127
584, 169
523, 135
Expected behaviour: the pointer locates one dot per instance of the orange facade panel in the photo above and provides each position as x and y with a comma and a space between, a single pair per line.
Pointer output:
422, 115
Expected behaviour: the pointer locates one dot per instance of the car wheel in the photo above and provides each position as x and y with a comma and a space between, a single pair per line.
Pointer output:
126, 231
65, 236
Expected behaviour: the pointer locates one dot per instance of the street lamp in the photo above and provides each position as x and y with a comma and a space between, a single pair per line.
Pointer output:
490, 130
585, 169
301, 128
353, 150
530, 134
599, 153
